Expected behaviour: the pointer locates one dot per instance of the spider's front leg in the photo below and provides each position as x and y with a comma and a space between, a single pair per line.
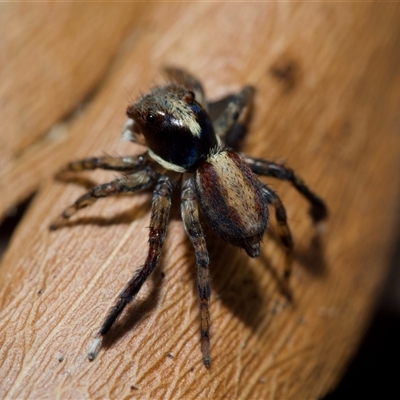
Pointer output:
232, 113
126, 183
190, 217
128, 163
160, 208
318, 210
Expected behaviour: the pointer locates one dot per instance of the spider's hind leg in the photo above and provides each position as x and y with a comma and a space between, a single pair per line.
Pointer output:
318, 210
124, 184
284, 234
160, 208
190, 217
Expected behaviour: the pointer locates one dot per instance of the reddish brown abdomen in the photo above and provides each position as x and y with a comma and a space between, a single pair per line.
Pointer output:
231, 198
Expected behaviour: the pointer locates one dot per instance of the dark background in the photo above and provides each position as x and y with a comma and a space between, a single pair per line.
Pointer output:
374, 372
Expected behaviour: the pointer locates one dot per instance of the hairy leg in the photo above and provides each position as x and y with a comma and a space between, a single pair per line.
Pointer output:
318, 210
190, 217
126, 183
128, 163
233, 111
283, 232
160, 208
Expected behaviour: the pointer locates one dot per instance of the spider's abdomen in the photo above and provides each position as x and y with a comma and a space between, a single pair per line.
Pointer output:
231, 198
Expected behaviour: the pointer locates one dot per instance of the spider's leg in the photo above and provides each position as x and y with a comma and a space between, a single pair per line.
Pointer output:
283, 232
127, 163
189, 81
160, 208
234, 110
318, 210
124, 184
190, 217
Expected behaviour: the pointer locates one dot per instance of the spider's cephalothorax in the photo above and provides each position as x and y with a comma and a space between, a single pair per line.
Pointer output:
178, 131
186, 148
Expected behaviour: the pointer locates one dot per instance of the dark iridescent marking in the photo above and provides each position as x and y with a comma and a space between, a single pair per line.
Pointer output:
176, 127
176, 144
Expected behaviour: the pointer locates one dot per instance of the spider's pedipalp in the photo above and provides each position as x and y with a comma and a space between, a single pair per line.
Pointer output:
318, 210
124, 184
160, 207
191, 222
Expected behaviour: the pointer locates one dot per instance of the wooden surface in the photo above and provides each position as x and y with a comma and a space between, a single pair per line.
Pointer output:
328, 90
52, 57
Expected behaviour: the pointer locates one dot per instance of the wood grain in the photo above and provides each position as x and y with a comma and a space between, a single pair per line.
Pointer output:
52, 56
328, 90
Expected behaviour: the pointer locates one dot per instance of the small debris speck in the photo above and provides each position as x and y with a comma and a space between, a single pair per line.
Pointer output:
169, 355
61, 359
287, 71
40, 291
134, 387
301, 320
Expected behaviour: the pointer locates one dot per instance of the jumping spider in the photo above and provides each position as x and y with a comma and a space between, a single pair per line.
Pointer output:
186, 148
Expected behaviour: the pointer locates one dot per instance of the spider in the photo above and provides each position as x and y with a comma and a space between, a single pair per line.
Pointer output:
188, 149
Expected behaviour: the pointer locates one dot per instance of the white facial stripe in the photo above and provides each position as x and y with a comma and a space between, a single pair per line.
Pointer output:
181, 111
194, 127
170, 100
166, 164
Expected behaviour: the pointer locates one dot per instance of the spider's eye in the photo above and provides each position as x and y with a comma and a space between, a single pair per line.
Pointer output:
189, 97
150, 118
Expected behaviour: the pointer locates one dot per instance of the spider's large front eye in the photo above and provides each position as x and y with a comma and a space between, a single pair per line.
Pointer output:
150, 118
178, 131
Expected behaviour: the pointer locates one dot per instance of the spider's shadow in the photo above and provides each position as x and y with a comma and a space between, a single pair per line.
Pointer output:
237, 284
71, 177
312, 258
233, 280
136, 312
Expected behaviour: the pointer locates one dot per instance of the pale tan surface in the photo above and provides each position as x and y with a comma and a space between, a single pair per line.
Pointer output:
335, 119
52, 56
